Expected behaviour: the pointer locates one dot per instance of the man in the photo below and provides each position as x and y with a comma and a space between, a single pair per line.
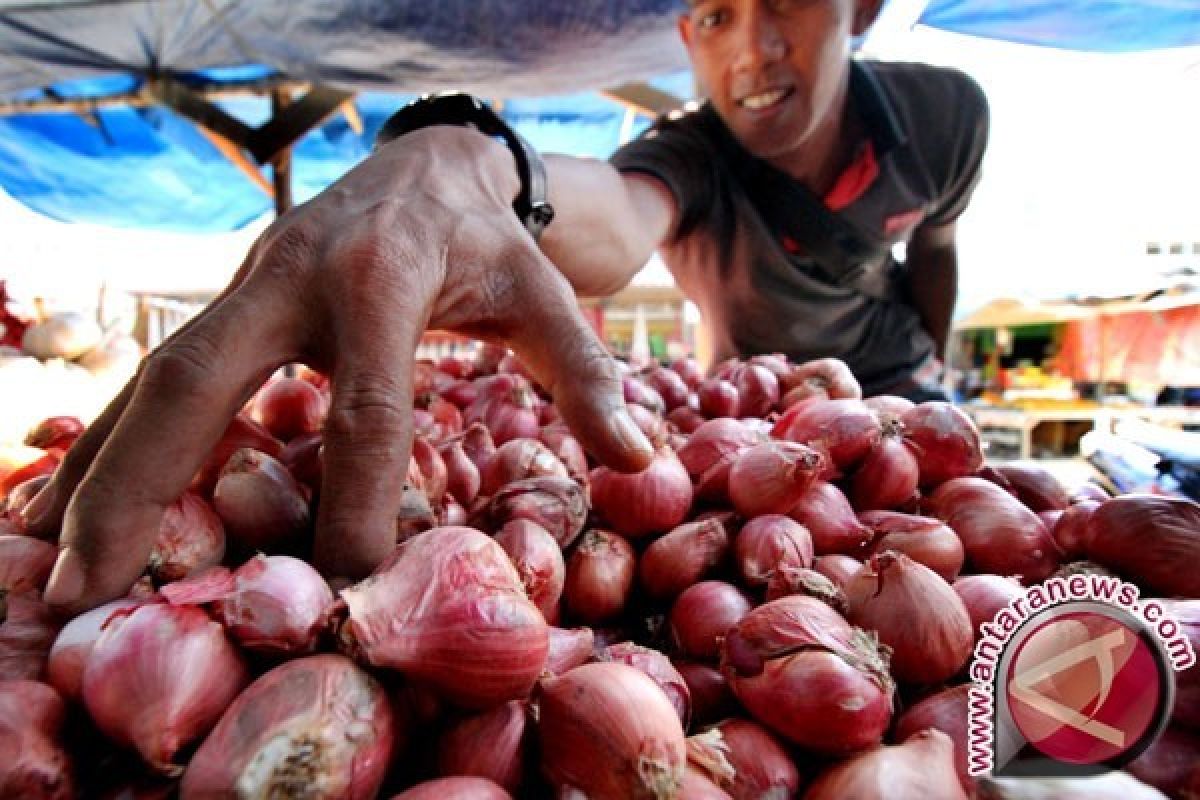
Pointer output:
422, 235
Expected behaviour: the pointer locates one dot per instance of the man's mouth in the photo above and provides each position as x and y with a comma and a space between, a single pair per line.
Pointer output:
763, 100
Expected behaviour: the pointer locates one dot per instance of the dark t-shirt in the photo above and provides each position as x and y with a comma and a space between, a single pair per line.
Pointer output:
928, 130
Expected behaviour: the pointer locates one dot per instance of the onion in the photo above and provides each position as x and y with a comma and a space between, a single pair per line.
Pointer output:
25, 563
638, 393
825, 377
43, 465
888, 475
1035, 486
682, 557
757, 388
947, 712
798, 667
770, 478
659, 669
568, 450
650, 423
1089, 491
69, 653
985, 595
457, 787
1148, 538
1171, 764
599, 576
889, 404
712, 699
769, 543
448, 610
713, 442
539, 562
799, 580
689, 369
279, 605
462, 476
702, 614
923, 539
686, 419
159, 677
33, 763
838, 568
490, 744
316, 726
1187, 683
1070, 531
479, 446
444, 420
290, 407
433, 469
718, 398
843, 430
945, 441
915, 613
608, 731
744, 759
1000, 535
559, 505
507, 413
12, 507
826, 513
516, 460
242, 432
670, 385
303, 458
27, 632
262, 505
654, 500
54, 433
568, 648
923, 766
190, 539
695, 786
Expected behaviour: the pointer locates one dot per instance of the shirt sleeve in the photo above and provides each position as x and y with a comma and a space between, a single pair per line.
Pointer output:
969, 118
676, 153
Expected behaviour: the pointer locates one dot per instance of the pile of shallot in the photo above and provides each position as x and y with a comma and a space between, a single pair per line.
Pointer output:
783, 604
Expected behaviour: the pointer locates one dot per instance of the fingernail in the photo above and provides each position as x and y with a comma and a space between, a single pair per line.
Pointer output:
67, 580
628, 432
38, 507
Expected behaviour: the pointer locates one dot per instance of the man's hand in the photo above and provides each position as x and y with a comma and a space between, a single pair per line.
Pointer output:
420, 235
932, 266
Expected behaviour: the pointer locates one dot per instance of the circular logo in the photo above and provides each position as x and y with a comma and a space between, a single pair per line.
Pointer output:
1088, 686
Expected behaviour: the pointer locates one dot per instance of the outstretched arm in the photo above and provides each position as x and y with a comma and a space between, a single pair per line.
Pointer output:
421, 234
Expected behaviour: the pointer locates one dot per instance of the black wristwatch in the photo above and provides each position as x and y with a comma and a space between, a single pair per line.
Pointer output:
455, 108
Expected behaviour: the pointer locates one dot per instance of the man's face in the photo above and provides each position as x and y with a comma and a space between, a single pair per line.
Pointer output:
774, 69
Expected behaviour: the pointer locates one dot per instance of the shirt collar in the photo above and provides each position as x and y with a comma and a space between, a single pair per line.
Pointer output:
875, 108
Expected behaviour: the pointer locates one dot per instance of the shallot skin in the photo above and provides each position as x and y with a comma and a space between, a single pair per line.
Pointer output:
312, 727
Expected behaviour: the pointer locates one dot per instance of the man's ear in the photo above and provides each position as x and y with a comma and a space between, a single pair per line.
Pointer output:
684, 23
865, 14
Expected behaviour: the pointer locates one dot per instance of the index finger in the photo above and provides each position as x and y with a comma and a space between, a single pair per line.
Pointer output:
182, 402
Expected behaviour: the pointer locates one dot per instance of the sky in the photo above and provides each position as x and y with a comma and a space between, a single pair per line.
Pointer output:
1090, 158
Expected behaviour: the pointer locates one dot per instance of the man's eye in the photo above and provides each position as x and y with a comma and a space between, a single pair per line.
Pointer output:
712, 19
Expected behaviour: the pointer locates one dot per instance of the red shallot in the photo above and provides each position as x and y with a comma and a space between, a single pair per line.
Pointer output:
448, 610
539, 562
654, 500
682, 557
278, 605
915, 613
316, 726
608, 730
159, 677
702, 614
489, 744
923, 539
33, 763
600, 576
190, 539
944, 440
923, 766
769, 543
1148, 538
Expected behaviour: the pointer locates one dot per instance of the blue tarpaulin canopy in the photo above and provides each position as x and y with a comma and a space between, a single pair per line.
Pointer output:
1101, 26
147, 163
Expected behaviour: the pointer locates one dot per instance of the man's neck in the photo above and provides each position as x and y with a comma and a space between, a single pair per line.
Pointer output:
823, 157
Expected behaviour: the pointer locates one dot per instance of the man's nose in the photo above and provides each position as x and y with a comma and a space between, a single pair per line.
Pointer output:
762, 41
